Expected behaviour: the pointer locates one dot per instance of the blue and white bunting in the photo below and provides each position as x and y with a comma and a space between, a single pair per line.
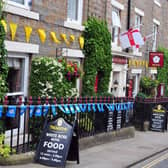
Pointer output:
53, 109
89, 108
38, 111
45, 109
61, 108
22, 109
125, 106
100, 107
72, 108
67, 111
11, 111
1, 111
118, 106
77, 108
94, 107
83, 107
31, 110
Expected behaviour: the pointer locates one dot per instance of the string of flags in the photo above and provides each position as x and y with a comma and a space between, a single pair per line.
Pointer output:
42, 35
42, 110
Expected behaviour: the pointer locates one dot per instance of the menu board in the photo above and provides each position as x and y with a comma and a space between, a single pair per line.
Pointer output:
54, 143
158, 118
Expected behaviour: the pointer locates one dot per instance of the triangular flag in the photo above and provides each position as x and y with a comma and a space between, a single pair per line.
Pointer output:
64, 38
28, 31
72, 38
54, 38
31, 110
4, 25
38, 111
42, 35
11, 112
22, 109
1, 110
81, 42
13, 29
53, 109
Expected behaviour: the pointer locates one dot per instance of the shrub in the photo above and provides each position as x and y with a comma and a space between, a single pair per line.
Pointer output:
48, 78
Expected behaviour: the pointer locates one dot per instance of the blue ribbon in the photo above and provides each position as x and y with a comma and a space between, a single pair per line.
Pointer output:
1, 111
53, 109
100, 107
31, 110
67, 111
45, 109
94, 107
118, 106
89, 108
72, 108
11, 112
22, 109
83, 107
77, 108
61, 108
38, 111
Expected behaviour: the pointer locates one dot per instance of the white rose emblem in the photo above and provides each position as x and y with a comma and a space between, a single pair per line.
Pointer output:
156, 59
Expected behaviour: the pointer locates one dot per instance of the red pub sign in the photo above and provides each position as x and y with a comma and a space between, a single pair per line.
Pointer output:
156, 59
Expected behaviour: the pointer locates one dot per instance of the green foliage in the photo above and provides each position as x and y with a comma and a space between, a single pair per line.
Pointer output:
4, 149
3, 54
143, 95
162, 74
48, 79
148, 85
98, 58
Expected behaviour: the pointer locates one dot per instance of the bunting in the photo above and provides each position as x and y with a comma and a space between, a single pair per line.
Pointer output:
28, 31
42, 35
11, 111
1, 110
13, 29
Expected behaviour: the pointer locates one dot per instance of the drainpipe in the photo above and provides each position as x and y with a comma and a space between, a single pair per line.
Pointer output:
129, 14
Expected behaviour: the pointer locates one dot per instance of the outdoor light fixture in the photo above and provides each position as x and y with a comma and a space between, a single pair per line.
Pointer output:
115, 84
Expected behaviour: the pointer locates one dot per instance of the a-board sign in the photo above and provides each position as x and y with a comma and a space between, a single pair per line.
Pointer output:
54, 143
158, 118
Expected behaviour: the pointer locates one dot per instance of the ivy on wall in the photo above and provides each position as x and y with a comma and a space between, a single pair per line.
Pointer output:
162, 74
98, 57
3, 62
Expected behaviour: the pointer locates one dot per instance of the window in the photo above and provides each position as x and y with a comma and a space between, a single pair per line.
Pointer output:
27, 3
116, 25
155, 31
138, 21
75, 10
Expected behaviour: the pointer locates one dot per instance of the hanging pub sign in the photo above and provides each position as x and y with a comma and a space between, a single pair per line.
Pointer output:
156, 59
158, 118
54, 143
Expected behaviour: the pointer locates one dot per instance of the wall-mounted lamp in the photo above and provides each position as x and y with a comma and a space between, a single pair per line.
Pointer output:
115, 84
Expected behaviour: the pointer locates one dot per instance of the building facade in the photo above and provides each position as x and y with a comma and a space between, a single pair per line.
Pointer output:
130, 64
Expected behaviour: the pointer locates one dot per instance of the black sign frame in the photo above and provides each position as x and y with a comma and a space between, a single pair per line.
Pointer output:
158, 118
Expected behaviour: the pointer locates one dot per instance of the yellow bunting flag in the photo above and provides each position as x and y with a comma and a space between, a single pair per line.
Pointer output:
130, 62
64, 38
42, 35
13, 29
4, 25
54, 38
81, 42
72, 38
146, 64
28, 31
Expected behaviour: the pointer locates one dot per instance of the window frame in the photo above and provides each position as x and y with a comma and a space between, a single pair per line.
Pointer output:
155, 31
116, 29
24, 5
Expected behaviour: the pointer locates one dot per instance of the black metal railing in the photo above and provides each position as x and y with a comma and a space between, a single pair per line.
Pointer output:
22, 121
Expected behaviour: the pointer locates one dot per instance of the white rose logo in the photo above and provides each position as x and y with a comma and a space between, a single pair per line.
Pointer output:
156, 59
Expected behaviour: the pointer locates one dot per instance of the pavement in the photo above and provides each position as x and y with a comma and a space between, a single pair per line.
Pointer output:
118, 154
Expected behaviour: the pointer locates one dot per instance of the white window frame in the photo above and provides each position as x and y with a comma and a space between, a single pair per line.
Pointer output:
155, 31
157, 2
20, 9
115, 31
76, 24
24, 84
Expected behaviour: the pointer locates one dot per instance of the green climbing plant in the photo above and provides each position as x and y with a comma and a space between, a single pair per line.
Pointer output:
163, 71
98, 57
3, 54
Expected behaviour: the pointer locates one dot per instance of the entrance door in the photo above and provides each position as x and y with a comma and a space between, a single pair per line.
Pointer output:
135, 85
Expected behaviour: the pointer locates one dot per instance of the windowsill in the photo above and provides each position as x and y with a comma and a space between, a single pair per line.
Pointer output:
15, 94
21, 10
157, 3
21, 47
115, 47
73, 25
137, 53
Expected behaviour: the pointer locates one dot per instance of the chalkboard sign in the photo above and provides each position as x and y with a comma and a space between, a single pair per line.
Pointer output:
54, 143
158, 118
